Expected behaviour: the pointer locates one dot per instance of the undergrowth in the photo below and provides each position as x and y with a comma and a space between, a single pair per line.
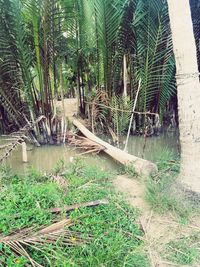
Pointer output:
164, 193
113, 238
184, 250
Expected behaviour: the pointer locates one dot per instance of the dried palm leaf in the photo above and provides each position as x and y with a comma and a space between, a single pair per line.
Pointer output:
18, 137
55, 235
80, 205
84, 143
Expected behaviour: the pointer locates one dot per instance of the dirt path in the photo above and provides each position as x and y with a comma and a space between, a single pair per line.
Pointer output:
70, 106
159, 229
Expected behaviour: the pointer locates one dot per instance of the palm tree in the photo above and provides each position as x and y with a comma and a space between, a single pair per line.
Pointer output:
187, 77
89, 38
15, 58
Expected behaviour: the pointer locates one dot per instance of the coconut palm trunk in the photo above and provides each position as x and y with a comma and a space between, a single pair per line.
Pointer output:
188, 87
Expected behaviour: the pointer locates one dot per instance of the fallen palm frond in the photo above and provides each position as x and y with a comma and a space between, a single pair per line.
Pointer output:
73, 207
8, 148
56, 235
84, 143
97, 110
19, 137
81, 205
29, 125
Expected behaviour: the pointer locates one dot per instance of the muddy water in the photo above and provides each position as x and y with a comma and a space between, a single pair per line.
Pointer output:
153, 147
44, 158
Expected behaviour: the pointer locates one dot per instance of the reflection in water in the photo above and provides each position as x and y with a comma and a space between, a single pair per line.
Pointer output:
45, 158
154, 146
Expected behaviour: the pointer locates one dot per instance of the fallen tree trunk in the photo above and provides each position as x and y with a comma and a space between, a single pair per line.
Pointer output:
142, 167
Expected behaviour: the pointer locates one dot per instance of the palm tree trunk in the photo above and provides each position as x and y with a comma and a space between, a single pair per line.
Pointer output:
188, 88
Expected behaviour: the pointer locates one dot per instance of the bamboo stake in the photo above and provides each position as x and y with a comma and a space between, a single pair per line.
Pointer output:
131, 120
125, 77
65, 131
24, 153
61, 90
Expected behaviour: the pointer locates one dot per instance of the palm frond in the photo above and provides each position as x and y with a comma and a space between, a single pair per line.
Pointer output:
124, 35
108, 14
153, 60
119, 106
25, 241
18, 137
16, 80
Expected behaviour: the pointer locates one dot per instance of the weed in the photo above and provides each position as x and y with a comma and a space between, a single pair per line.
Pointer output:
163, 192
130, 170
168, 161
30, 201
60, 166
184, 250
114, 236
164, 196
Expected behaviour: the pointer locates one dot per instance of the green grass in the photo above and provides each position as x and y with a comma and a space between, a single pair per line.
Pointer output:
184, 250
162, 191
115, 239
30, 197
129, 169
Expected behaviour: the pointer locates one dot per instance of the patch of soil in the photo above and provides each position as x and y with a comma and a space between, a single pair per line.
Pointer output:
70, 106
133, 190
159, 229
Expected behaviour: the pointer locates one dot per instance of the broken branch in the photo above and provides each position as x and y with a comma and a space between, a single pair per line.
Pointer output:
81, 205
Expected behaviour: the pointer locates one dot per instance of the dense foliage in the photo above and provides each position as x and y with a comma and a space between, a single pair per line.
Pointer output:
50, 49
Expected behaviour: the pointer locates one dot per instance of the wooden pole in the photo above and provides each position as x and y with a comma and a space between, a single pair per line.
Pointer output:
24, 153
125, 76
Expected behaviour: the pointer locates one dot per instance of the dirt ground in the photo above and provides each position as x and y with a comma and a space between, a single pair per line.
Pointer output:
159, 229
70, 106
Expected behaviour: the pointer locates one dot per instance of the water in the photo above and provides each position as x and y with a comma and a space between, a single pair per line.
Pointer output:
45, 158
153, 147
